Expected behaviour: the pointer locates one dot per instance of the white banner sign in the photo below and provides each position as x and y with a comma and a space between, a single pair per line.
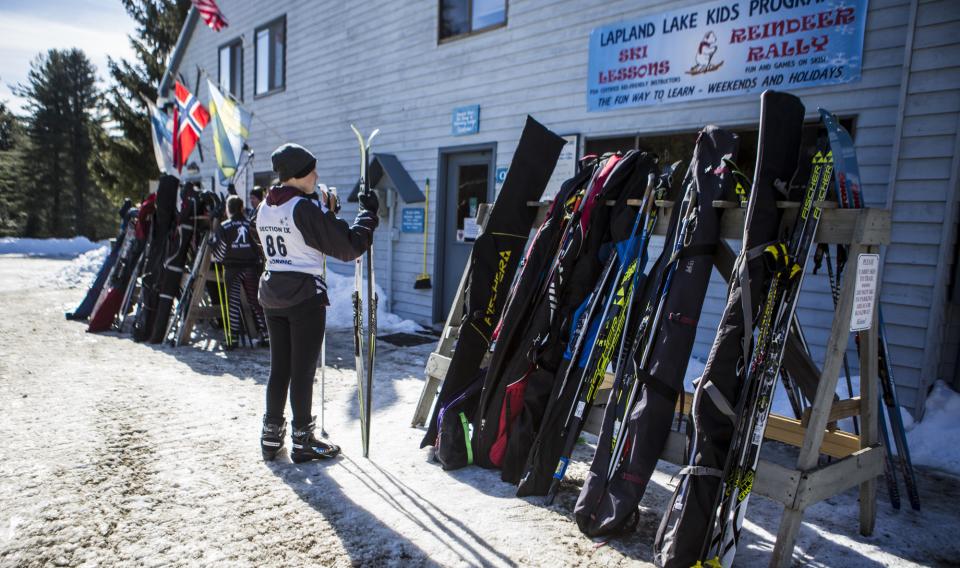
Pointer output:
725, 48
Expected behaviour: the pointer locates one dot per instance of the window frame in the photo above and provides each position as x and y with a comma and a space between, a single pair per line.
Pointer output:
238, 41
441, 40
282, 20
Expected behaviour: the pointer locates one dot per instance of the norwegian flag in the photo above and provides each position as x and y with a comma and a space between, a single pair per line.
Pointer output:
190, 119
211, 14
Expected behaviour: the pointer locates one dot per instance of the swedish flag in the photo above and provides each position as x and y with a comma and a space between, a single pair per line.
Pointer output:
231, 126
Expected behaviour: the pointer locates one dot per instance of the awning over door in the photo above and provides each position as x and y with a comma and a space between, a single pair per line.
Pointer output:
386, 171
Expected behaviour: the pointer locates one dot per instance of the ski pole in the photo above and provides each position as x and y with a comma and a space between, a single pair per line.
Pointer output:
323, 365
223, 316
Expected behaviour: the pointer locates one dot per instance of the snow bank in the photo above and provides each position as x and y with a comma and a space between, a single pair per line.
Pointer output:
82, 270
340, 311
47, 247
932, 440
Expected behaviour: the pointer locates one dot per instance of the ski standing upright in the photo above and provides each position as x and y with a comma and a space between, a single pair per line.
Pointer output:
364, 341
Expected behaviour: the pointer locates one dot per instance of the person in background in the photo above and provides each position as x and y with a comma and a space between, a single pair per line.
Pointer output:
297, 226
256, 198
234, 245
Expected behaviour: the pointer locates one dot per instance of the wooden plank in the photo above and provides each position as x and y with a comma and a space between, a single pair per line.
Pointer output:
838, 476
776, 482
838, 410
789, 431
786, 538
195, 312
838, 225
427, 396
437, 365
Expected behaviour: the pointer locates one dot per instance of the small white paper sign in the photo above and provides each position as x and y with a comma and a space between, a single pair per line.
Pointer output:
865, 292
471, 229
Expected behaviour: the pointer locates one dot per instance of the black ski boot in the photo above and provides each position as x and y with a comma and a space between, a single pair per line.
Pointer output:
307, 447
271, 437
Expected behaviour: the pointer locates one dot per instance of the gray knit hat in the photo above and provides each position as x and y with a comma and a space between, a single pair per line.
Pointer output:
292, 161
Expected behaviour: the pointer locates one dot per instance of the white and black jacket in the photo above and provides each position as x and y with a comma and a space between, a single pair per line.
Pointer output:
294, 232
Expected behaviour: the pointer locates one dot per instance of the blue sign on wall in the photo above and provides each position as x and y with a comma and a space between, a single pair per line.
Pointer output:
411, 219
501, 175
466, 120
726, 48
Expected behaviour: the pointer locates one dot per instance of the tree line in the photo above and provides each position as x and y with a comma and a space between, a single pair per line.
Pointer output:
79, 148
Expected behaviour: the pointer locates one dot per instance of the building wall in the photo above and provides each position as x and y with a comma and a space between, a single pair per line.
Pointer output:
378, 64
919, 262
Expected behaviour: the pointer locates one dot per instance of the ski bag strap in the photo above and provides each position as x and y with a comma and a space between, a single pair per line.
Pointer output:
466, 437
702, 470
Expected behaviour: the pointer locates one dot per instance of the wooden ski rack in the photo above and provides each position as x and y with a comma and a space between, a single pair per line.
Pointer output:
200, 308
858, 459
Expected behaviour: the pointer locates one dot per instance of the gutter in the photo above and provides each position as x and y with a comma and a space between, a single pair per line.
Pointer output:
178, 52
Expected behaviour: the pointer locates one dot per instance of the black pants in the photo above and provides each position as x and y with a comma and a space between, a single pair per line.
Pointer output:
296, 334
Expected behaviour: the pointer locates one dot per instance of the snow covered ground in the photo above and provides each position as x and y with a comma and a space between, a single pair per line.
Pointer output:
123, 453
48, 247
82, 269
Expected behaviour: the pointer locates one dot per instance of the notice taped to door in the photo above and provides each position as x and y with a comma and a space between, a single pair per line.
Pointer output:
865, 292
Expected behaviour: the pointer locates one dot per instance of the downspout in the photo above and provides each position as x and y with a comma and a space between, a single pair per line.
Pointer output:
178, 52
391, 219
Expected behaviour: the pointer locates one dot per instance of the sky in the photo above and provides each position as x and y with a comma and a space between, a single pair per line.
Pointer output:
29, 27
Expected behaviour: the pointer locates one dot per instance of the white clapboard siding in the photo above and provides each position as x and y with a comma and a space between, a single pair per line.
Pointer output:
924, 203
378, 64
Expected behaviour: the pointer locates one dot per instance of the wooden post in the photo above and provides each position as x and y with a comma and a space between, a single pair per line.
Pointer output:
822, 403
836, 347
869, 427
201, 269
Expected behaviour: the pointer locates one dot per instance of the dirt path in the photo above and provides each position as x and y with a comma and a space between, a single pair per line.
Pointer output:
119, 453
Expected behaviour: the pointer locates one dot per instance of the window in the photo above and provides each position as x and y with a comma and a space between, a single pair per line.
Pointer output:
461, 17
270, 43
673, 147
265, 179
231, 68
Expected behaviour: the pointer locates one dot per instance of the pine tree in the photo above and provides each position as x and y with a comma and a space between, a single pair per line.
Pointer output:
125, 160
61, 97
12, 144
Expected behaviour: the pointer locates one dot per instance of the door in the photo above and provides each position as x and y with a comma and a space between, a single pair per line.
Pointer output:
468, 183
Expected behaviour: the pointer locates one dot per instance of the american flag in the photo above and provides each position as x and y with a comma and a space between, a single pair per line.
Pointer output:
191, 119
211, 14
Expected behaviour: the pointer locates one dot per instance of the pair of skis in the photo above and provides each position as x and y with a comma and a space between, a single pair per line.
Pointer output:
613, 321
847, 182
627, 380
727, 409
776, 317
364, 340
